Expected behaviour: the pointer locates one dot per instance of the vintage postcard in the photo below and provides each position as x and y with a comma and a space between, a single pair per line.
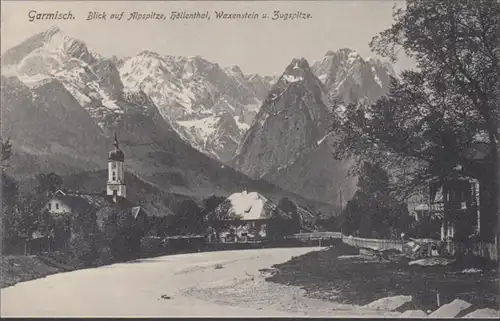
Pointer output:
250, 158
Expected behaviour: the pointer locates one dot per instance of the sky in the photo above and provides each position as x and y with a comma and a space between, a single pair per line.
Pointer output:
259, 46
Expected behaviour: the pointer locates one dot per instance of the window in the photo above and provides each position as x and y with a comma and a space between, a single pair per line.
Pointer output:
114, 175
57, 206
50, 206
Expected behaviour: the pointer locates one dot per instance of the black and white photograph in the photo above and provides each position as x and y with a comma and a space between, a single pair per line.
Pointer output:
296, 159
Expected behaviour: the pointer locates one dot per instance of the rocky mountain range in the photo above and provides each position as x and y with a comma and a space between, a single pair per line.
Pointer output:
208, 105
61, 102
179, 117
350, 78
289, 143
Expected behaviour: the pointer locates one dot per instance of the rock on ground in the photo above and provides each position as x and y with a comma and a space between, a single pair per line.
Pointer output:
414, 314
484, 314
432, 261
390, 303
472, 270
451, 309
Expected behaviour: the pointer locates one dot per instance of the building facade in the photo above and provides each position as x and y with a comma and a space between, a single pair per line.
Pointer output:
456, 202
116, 173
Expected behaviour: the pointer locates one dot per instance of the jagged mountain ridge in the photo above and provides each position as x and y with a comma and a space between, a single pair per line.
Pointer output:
56, 76
351, 78
92, 80
208, 105
64, 76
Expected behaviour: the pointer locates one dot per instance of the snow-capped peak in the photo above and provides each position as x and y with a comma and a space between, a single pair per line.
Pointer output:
235, 69
296, 71
299, 63
148, 53
353, 54
208, 105
53, 46
51, 32
347, 75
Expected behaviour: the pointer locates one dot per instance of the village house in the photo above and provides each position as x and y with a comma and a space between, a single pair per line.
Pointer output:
461, 200
456, 202
243, 217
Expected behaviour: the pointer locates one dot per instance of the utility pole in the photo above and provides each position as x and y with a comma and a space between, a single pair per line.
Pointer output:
341, 203
340, 214
429, 204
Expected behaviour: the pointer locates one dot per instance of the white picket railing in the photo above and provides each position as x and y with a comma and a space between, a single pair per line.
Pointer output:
481, 249
315, 236
374, 244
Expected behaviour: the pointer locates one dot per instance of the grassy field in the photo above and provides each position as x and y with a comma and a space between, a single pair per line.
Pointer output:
20, 268
355, 280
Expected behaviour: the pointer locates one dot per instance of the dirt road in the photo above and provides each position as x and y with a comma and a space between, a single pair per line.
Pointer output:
201, 284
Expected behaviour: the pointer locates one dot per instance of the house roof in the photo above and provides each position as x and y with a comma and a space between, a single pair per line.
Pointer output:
422, 207
246, 206
135, 211
91, 202
478, 151
95, 202
154, 210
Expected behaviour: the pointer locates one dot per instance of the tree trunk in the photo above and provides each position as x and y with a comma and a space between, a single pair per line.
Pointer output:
496, 192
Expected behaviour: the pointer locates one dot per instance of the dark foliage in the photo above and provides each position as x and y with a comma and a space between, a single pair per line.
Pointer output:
293, 220
188, 218
48, 183
373, 212
446, 112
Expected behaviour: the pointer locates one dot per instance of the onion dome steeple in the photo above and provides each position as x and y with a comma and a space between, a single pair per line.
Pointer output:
116, 154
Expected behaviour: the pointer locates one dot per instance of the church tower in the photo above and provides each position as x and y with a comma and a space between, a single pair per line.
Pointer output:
116, 174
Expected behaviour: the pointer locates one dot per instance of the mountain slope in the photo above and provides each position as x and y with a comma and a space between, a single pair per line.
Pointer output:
46, 126
316, 175
292, 119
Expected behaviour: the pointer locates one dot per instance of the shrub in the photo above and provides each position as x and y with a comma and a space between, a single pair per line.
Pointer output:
81, 249
151, 245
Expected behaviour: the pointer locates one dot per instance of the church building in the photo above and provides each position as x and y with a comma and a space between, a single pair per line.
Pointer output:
74, 206
116, 190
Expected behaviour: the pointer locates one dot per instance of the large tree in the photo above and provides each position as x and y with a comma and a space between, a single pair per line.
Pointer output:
443, 115
9, 195
293, 222
373, 211
26, 217
188, 218
50, 182
6, 151
211, 203
9, 190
